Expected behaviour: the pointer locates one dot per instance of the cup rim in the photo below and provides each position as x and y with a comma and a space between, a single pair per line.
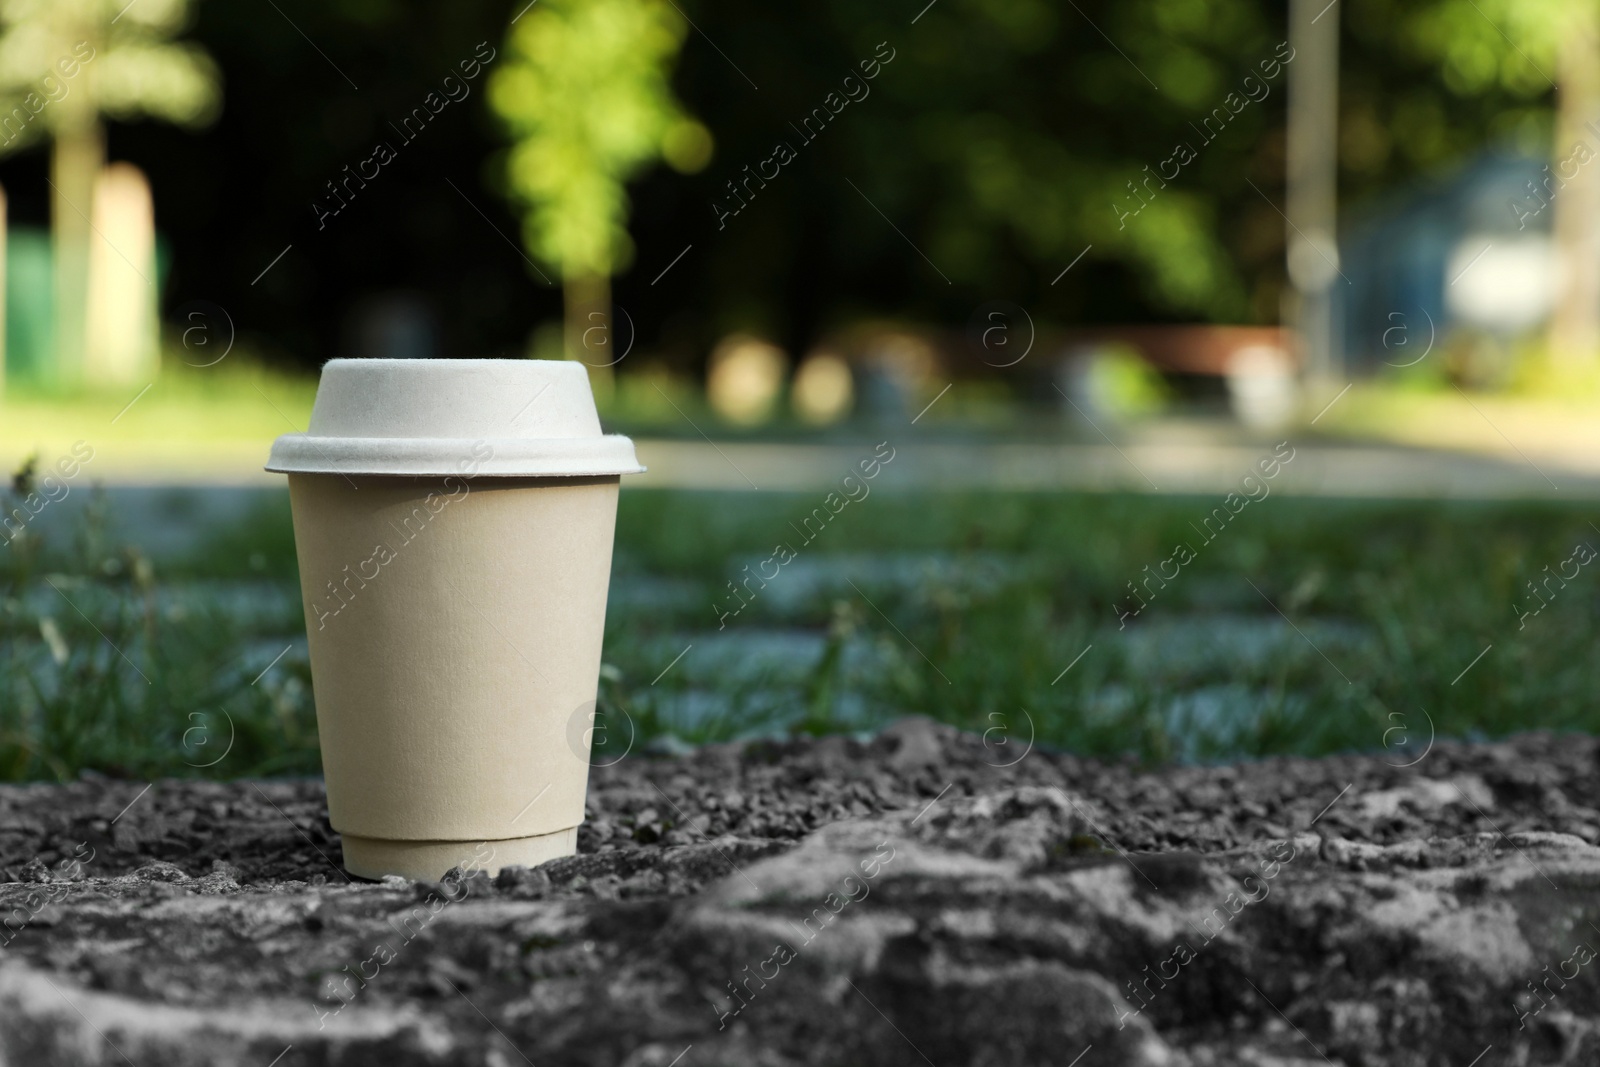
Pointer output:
550, 457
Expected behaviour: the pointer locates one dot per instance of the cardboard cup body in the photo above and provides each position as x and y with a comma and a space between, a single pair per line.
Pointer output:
455, 627
453, 519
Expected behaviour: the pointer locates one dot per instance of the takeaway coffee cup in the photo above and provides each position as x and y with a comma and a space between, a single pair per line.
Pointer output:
453, 520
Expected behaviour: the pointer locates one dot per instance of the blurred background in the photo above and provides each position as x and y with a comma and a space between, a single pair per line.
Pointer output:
1085, 271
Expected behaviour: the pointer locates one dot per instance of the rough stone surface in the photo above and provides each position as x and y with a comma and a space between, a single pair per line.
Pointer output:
900, 901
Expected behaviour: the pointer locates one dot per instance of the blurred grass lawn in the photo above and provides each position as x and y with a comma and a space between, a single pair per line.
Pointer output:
189, 419
209, 424
964, 606
1513, 426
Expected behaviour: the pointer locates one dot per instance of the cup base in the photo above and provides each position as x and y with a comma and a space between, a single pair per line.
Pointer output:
375, 858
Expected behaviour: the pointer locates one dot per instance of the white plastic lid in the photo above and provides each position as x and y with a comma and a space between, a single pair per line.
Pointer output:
496, 417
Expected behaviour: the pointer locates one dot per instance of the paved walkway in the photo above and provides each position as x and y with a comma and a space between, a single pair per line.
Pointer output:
172, 503
1141, 467
1178, 459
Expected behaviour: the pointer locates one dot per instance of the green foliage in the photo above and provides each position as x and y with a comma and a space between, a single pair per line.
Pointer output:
1399, 598
1024, 129
1511, 45
1423, 87
121, 59
999, 141
1003, 138
584, 92
1123, 384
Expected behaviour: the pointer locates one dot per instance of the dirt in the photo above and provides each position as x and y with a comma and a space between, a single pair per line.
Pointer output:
927, 896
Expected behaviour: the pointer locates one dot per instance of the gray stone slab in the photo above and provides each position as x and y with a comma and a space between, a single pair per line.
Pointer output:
921, 897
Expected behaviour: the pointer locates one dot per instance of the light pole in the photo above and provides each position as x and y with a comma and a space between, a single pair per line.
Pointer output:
1312, 178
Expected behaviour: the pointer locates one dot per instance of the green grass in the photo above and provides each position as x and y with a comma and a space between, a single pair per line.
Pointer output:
189, 419
1004, 592
106, 664
1422, 588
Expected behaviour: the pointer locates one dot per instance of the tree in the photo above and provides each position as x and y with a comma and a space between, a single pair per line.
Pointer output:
1001, 139
584, 93
1004, 138
64, 64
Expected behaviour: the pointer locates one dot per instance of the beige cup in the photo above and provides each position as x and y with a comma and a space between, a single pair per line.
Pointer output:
453, 521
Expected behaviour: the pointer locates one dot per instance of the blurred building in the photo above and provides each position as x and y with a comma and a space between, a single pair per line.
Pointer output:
1469, 256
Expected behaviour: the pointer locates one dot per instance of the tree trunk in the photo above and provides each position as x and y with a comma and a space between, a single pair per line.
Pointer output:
122, 347
589, 337
75, 163
1575, 325
5, 223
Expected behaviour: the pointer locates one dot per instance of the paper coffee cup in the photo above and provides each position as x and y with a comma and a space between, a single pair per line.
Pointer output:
454, 522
